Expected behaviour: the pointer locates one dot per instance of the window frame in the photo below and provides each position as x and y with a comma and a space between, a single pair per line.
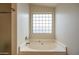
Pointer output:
41, 35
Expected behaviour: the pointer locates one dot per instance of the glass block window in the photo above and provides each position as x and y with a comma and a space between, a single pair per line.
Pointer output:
42, 23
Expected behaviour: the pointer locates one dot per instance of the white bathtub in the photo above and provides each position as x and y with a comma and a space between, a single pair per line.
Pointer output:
40, 47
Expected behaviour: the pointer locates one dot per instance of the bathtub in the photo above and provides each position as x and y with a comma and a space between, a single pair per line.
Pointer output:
42, 47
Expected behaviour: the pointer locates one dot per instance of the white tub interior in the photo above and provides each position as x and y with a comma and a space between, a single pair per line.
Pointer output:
42, 45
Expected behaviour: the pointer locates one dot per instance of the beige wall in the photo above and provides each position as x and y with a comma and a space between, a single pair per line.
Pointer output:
14, 29
22, 22
67, 26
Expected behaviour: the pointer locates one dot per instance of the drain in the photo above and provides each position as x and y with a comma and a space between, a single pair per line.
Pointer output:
42, 43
